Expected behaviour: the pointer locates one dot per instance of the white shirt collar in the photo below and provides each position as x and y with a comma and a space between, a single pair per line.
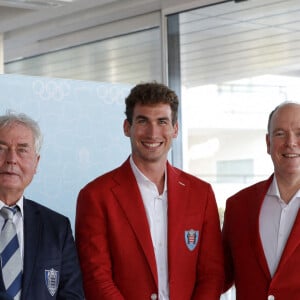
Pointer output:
274, 190
141, 178
19, 203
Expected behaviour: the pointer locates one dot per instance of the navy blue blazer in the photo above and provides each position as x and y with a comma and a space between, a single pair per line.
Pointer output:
51, 267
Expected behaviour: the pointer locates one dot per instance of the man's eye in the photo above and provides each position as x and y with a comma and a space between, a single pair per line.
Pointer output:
279, 133
22, 150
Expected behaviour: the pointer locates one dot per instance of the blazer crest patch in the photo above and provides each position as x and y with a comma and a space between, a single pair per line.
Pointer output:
52, 280
191, 238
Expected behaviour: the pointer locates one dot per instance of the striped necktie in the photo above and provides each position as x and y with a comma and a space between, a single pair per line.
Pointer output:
11, 261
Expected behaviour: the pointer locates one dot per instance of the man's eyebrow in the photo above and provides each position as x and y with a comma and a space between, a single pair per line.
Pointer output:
146, 118
20, 145
23, 145
141, 117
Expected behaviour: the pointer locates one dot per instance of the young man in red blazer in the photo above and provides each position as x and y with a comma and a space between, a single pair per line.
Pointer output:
148, 230
261, 230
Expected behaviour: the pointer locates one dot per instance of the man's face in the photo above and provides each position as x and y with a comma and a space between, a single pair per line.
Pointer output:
283, 140
18, 160
151, 132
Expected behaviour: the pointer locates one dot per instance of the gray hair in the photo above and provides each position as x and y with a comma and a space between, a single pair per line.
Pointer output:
276, 109
12, 117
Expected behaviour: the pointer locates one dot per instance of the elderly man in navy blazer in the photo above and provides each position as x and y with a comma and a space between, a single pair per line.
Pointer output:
36, 243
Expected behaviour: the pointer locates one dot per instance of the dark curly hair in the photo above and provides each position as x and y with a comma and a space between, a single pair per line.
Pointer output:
151, 93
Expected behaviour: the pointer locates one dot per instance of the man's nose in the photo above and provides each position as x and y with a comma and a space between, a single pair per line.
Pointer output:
152, 130
291, 140
11, 157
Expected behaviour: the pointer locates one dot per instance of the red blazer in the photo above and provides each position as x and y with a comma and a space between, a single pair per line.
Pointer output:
115, 247
245, 262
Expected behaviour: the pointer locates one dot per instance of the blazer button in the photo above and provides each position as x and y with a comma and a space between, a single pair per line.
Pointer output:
271, 297
153, 297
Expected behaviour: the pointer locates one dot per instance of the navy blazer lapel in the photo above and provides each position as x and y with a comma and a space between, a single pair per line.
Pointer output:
130, 200
32, 227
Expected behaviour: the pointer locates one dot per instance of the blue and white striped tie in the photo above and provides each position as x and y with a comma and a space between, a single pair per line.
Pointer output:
11, 261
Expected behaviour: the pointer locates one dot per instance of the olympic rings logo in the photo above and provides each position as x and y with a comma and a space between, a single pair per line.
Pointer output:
51, 90
112, 93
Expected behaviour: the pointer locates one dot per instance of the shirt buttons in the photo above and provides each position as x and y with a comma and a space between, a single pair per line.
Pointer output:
154, 297
271, 297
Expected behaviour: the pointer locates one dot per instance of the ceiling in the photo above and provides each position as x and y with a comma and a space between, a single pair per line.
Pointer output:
26, 24
231, 41
219, 43
19, 14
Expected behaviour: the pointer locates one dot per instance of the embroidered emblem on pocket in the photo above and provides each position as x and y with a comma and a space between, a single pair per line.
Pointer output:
52, 280
191, 238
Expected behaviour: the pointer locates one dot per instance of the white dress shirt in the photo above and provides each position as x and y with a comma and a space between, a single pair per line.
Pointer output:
156, 211
275, 224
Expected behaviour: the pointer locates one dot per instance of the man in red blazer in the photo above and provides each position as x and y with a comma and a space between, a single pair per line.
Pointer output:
261, 230
147, 230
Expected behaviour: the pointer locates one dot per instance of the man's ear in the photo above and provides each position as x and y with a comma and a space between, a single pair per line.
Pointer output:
176, 128
268, 143
36, 165
126, 128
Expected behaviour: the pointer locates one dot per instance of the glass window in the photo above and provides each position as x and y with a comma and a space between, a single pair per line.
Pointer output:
235, 67
231, 170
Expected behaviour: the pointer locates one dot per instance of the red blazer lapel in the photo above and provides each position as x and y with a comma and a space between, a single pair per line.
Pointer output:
254, 202
292, 242
178, 190
130, 200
